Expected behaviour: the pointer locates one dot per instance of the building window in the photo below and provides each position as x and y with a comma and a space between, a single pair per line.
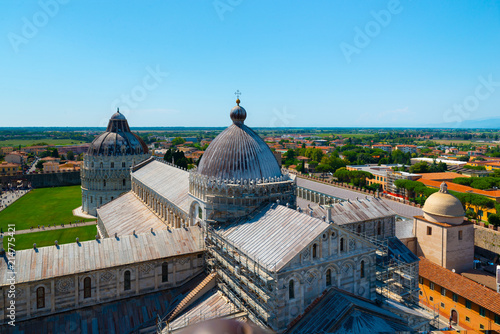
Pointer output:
431, 286
164, 272
482, 311
40, 297
100, 200
443, 292
497, 319
101, 164
468, 304
341, 244
362, 273
87, 290
328, 277
126, 280
291, 290
123, 182
123, 165
91, 199
442, 305
455, 297
379, 229
460, 235
359, 229
467, 319
431, 298
92, 165
420, 293
429, 230
112, 165
481, 326
421, 280
315, 251
104, 183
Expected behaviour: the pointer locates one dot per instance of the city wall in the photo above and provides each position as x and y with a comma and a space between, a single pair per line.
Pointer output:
486, 241
44, 180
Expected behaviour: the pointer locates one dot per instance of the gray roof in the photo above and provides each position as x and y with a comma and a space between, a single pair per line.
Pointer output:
274, 236
118, 139
68, 259
167, 181
239, 153
404, 229
360, 210
341, 312
128, 213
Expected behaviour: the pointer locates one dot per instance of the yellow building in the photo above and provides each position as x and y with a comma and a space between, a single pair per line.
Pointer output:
9, 169
471, 305
6, 150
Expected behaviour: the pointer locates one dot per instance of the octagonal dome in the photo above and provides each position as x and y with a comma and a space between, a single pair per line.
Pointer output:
117, 139
239, 153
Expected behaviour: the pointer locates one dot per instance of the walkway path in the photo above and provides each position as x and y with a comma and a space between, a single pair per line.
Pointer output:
53, 228
401, 209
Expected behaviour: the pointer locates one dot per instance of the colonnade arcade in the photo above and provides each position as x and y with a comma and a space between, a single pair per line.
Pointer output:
172, 215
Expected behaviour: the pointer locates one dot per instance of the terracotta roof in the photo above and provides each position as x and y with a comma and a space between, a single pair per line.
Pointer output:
460, 188
441, 176
482, 277
460, 285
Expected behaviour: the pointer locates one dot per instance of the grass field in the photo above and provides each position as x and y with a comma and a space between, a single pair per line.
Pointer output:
23, 142
43, 207
448, 142
47, 238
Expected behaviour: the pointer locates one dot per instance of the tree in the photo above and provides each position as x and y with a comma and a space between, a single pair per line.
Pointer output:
178, 141
70, 155
39, 164
55, 153
494, 219
420, 167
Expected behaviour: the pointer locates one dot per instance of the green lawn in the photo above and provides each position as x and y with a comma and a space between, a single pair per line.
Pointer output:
43, 207
30, 142
47, 238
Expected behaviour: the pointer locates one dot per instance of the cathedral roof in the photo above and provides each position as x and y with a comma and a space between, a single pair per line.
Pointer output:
239, 153
117, 139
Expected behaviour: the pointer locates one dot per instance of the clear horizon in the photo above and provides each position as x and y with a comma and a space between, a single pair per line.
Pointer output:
325, 64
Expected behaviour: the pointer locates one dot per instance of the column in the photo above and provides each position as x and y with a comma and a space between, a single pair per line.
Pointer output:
77, 288
117, 283
53, 295
137, 280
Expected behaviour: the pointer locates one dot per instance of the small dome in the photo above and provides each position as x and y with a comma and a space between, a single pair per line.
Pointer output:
117, 139
443, 204
239, 153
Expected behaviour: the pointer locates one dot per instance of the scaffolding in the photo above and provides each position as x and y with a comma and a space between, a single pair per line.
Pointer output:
247, 282
395, 278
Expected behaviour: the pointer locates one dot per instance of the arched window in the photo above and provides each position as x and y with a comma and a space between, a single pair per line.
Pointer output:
342, 244
92, 165
362, 271
291, 290
123, 165
112, 165
164, 272
359, 229
329, 277
126, 280
87, 288
123, 182
315, 251
40, 297
100, 165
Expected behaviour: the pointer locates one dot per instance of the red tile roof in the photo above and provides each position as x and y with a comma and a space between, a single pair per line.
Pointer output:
460, 285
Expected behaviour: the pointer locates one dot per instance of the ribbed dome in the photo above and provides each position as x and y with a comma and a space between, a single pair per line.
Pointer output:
239, 153
443, 204
118, 139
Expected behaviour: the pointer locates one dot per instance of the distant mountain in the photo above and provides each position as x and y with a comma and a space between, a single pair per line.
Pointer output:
485, 123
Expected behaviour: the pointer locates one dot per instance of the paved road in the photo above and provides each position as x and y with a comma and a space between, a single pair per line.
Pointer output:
400, 208
56, 227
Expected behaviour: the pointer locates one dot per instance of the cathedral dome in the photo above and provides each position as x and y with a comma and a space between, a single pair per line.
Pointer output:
239, 153
443, 207
118, 139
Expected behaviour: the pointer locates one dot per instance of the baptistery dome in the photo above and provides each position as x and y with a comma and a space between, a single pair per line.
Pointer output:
118, 139
238, 153
443, 207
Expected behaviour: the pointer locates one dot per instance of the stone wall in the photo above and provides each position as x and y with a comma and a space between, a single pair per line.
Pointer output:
45, 180
487, 241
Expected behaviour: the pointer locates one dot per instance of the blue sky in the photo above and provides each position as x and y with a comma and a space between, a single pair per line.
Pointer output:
320, 63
